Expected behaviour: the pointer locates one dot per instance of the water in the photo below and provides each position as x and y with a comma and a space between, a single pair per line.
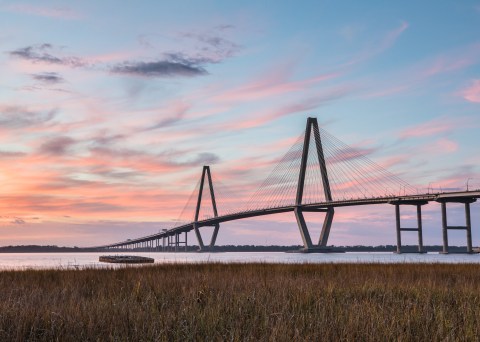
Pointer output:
22, 261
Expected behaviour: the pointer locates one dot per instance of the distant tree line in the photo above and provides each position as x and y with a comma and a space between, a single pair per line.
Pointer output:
224, 248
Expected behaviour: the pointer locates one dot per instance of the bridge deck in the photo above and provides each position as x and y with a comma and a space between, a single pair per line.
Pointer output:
410, 199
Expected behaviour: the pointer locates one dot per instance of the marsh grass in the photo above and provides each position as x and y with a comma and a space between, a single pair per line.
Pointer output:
243, 302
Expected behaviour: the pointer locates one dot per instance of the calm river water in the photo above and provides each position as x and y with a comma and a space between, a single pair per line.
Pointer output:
80, 260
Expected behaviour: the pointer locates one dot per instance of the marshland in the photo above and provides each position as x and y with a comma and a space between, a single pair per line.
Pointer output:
243, 302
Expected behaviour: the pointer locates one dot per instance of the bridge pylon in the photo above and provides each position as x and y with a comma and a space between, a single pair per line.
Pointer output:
202, 247
312, 125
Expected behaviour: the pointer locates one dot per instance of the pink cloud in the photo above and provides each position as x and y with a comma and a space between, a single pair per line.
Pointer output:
261, 118
52, 12
272, 85
434, 127
454, 60
472, 93
395, 160
440, 147
393, 35
52, 194
443, 65
417, 75
385, 43
447, 145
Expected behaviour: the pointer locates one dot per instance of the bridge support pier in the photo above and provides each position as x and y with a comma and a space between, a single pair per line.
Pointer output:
201, 244
302, 225
308, 246
446, 227
418, 229
206, 174
305, 234
327, 224
178, 242
216, 228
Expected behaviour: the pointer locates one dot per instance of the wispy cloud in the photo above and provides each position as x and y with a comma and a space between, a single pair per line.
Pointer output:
393, 35
45, 53
145, 162
441, 146
51, 12
435, 127
173, 114
19, 117
48, 77
57, 145
212, 49
417, 75
272, 85
349, 153
11, 154
472, 93
302, 105
159, 68
386, 42
453, 60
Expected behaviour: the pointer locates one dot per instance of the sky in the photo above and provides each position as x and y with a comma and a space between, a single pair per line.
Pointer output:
108, 111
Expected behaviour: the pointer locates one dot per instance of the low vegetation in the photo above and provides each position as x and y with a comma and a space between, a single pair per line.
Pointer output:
243, 302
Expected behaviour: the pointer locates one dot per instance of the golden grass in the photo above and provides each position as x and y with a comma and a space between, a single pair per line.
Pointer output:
243, 302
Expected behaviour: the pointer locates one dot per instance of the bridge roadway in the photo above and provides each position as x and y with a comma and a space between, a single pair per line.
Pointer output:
460, 196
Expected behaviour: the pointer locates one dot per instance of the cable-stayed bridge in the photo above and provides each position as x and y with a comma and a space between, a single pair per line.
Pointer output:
317, 174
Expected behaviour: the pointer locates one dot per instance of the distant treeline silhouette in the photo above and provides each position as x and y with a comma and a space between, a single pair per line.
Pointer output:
224, 248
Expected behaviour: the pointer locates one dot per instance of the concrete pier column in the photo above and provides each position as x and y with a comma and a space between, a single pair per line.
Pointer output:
327, 225
302, 226
444, 228
420, 228
214, 235
199, 237
398, 224
469, 228
399, 235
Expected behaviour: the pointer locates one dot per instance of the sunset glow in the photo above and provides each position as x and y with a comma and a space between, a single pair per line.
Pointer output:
109, 110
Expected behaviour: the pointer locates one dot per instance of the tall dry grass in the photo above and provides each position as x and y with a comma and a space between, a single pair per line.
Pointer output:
243, 302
